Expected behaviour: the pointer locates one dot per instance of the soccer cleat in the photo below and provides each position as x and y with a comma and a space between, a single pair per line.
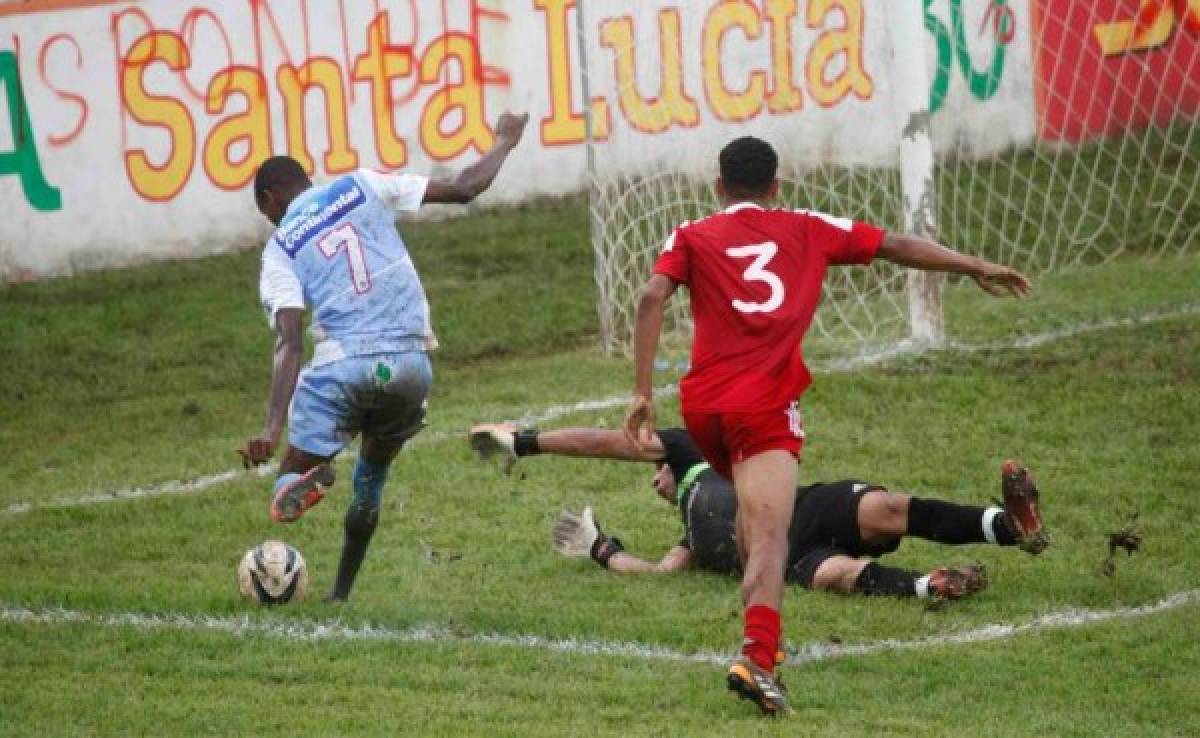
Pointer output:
759, 686
301, 493
495, 440
1021, 511
780, 659
952, 583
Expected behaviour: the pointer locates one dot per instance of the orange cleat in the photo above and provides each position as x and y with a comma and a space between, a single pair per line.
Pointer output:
290, 502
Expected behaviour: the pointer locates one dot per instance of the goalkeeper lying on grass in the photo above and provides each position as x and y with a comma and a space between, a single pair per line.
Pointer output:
837, 529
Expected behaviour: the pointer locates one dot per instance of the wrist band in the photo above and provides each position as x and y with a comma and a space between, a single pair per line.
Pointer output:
604, 548
525, 442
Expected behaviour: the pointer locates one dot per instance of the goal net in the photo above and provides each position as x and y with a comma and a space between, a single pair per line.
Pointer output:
1057, 134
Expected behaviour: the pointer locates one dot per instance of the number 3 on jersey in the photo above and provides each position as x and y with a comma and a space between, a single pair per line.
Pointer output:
756, 272
346, 238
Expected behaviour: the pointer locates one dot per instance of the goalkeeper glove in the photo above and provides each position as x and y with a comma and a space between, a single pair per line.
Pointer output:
579, 535
503, 441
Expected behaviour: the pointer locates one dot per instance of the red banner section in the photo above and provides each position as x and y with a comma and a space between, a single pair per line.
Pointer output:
1107, 66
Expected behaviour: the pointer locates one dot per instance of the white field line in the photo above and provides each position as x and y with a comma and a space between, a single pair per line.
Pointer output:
335, 631
1027, 341
904, 348
175, 487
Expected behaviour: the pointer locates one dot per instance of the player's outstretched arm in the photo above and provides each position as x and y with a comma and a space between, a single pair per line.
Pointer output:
289, 354
580, 535
639, 420
475, 179
508, 442
921, 253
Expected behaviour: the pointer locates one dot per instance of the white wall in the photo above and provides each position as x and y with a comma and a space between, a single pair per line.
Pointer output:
86, 131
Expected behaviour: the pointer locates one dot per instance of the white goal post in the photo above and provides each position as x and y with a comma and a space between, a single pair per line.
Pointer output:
1045, 134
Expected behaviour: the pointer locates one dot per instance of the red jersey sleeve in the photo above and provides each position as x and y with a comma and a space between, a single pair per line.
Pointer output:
673, 260
844, 241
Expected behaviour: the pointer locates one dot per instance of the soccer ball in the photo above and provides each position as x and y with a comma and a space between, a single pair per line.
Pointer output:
272, 573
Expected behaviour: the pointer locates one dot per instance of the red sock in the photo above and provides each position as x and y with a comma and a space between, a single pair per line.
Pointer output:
761, 636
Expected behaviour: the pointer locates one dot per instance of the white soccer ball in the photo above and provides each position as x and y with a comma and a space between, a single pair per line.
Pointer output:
272, 573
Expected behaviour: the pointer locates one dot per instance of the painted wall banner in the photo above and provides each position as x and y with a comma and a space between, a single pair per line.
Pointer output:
1108, 66
132, 130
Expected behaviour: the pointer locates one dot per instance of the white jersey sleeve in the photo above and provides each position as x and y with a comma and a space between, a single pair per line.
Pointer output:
278, 285
402, 192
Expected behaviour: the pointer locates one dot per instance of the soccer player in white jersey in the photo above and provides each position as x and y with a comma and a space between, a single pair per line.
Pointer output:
336, 251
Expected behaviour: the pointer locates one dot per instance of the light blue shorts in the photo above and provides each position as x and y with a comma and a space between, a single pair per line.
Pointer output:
383, 396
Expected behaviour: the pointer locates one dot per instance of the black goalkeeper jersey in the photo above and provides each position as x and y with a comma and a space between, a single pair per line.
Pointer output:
707, 504
825, 516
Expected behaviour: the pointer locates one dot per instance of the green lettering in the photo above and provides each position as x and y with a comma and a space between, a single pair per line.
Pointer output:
953, 47
981, 84
945, 59
23, 159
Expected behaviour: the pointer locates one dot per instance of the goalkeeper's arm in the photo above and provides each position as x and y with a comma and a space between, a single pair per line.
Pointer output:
579, 535
677, 559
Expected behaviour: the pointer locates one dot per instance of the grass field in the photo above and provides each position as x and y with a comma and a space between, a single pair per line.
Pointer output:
122, 618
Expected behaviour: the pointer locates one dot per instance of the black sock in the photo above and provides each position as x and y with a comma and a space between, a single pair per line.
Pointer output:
886, 580
945, 522
1004, 534
359, 527
525, 442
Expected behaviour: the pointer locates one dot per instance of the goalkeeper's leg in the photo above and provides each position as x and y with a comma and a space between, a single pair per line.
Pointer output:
883, 514
830, 570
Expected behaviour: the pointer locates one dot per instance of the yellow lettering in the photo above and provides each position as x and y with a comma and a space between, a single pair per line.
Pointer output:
252, 127
1156, 26
379, 66
847, 40
785, 96
465, 99
294, 82
727, 104
564, 125
158, 182
672, 106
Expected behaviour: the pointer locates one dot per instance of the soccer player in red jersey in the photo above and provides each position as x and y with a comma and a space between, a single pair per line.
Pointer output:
754, 274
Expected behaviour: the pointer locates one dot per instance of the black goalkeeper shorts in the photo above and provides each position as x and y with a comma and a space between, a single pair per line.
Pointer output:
825, 524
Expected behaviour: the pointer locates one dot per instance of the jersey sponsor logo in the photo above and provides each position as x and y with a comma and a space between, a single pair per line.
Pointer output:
330, 206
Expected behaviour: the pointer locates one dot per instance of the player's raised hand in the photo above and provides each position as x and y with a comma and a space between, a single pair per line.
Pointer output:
257, 451
639, 422
510, 127
1000, 281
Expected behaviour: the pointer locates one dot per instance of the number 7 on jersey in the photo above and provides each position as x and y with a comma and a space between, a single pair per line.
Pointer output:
345, 237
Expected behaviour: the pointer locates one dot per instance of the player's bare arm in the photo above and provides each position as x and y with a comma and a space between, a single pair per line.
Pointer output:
508, 442
639, 420
679, 558
475, 179
598, 443
921, 253
580, 535
289, 354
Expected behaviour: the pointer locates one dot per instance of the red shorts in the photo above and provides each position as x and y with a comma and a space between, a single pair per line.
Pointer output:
726, 439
